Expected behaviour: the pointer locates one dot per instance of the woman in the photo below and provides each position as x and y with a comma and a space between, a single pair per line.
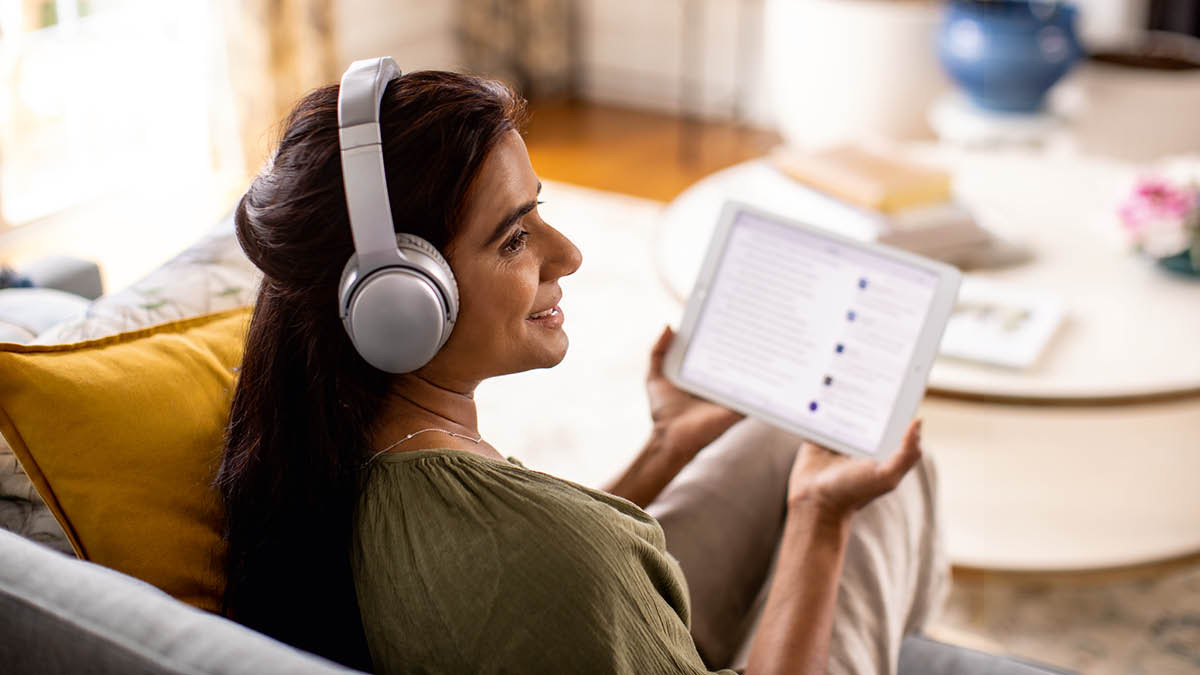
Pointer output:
369, 522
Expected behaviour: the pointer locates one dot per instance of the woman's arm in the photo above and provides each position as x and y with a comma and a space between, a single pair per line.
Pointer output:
683, 426
655, 466
793, 636
824, 491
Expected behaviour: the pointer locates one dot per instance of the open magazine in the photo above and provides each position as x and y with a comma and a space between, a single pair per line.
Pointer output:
999, 324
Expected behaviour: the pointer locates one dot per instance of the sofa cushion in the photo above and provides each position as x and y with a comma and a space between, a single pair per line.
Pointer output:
59, 615
27, 312
121, 436
73, 275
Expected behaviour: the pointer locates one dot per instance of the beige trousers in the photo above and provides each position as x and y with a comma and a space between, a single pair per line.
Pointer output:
723, 518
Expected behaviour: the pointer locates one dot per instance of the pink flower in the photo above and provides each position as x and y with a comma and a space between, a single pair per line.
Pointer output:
1157, 217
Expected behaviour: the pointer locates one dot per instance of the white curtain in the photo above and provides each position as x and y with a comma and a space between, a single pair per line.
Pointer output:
530, 44
277, 50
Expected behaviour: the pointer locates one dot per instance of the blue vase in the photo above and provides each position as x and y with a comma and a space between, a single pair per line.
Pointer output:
1006, 54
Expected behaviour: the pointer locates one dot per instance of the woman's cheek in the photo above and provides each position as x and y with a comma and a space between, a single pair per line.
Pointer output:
523, 289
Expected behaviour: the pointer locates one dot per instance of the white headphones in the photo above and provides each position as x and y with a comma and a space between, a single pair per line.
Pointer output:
397, 299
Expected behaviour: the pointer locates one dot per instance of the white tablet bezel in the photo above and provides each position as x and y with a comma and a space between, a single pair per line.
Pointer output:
913, 387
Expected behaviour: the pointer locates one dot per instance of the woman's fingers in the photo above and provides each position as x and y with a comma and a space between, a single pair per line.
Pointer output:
659, 352
906, 457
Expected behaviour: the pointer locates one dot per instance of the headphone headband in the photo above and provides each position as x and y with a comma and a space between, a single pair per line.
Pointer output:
397, 298
370, 211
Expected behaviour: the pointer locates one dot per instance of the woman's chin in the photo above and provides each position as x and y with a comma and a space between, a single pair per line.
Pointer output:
546, 334
557, 351
544, 351
550, 350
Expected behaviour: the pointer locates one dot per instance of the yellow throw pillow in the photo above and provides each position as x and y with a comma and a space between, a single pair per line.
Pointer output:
122, 437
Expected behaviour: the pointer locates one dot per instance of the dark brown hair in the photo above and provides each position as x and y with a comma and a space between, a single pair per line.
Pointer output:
306, 403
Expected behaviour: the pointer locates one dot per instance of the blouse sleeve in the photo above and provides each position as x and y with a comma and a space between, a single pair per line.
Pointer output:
503, 571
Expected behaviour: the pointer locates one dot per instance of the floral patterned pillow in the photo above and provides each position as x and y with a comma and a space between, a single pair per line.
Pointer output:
22, 510
211, 275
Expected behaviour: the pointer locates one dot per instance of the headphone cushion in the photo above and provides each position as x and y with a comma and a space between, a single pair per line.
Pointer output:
412, 242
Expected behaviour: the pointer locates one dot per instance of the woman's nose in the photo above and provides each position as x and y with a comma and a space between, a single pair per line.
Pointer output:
563, 258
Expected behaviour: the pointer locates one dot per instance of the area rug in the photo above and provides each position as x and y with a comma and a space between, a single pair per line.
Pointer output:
1139, 622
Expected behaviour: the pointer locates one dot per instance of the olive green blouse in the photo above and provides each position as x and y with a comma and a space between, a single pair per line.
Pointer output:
465, 564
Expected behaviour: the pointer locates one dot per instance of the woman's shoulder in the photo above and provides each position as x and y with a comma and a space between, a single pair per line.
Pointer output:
459, 473
448, 509
402, 458
455, 477
452, 491
448, 468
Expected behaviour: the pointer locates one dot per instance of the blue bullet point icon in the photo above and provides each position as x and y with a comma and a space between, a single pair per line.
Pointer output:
840, 348
862, 283
812, 406
850, 315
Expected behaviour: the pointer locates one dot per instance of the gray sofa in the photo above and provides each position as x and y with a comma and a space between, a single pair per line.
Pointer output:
62, 289
63, 615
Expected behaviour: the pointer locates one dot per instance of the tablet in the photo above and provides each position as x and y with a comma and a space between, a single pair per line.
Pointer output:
822, 335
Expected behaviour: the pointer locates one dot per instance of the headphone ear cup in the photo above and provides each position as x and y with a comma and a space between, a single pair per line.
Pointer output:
397, 320
399, 316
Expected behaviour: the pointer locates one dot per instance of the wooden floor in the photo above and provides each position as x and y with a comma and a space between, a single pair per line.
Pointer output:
645, 154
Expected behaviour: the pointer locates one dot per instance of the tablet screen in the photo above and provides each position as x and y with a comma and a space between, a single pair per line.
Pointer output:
809, 329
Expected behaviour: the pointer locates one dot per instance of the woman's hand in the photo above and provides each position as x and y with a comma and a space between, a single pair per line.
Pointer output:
684, 423
837, 485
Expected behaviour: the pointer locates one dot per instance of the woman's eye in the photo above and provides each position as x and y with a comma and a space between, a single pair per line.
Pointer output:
516, 242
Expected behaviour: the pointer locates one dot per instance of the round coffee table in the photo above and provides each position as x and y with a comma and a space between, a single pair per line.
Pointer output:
1090, 457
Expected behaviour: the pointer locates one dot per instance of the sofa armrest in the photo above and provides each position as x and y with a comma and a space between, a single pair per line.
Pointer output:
61, 615
64, 273
920, 655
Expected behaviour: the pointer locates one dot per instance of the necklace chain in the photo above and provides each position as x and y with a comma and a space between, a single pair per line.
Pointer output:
421, 431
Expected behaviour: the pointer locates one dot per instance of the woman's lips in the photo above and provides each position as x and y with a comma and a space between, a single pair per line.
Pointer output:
550, 318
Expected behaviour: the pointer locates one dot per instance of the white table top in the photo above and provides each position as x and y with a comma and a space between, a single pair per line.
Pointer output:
1131, 330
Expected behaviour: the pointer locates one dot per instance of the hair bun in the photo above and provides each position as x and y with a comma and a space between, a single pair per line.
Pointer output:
245, 232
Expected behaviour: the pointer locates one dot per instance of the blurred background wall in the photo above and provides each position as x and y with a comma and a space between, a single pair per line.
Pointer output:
128, 108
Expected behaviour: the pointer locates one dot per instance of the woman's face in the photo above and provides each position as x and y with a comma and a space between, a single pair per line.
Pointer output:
507, 262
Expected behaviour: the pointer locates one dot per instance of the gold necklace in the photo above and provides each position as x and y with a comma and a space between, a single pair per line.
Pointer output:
421, 431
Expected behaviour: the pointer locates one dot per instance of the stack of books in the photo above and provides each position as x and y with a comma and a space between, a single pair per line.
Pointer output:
904, 205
